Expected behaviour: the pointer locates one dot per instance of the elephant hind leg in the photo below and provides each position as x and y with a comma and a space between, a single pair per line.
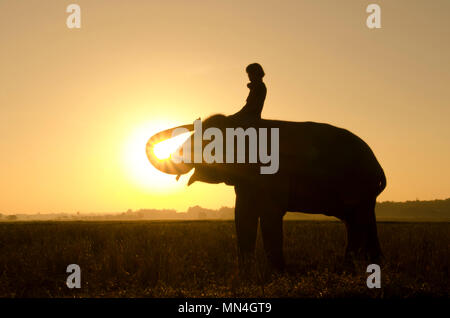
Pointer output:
362, 236
373, 244
272, 233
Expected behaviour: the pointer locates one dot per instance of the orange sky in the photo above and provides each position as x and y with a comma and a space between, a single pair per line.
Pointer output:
77, 106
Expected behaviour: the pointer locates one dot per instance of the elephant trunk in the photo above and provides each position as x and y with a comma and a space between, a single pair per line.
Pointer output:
167, 165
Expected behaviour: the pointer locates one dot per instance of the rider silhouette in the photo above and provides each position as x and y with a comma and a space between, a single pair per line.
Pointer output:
255, 100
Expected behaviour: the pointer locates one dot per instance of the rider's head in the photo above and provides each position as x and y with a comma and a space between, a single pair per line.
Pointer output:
255, 72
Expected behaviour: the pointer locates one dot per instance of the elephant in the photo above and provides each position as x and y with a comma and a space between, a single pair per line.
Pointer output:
323, 169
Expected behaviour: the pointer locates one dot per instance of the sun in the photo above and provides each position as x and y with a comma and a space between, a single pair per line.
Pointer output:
137, 167
164, 149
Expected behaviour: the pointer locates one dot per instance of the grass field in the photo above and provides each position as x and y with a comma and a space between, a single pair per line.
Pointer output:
198, 259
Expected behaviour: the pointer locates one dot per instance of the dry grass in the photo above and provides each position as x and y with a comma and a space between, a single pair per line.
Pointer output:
198, 259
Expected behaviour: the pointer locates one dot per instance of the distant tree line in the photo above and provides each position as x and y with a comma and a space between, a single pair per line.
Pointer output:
409, 210
435, 209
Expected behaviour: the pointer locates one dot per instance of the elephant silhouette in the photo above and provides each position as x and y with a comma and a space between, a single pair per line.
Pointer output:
323, 169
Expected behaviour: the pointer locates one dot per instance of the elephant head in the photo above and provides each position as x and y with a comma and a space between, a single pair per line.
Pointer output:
209, 171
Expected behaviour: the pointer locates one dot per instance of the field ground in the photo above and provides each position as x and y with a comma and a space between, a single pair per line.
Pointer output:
198, 259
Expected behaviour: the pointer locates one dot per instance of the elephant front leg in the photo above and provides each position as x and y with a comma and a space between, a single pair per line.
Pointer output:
246, 219
272, 233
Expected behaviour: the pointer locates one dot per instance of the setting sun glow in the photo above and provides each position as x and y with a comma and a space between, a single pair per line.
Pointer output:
164, 149
136, 166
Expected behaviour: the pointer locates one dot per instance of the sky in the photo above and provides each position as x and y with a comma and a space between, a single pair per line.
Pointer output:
77, 106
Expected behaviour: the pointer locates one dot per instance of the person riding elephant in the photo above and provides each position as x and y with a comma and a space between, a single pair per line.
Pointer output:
256, 97
321, 169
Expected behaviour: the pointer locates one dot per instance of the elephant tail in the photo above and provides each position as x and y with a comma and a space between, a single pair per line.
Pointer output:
382, 182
